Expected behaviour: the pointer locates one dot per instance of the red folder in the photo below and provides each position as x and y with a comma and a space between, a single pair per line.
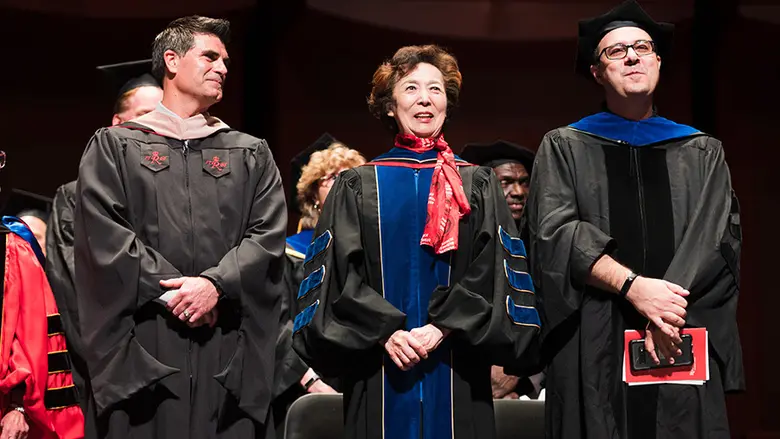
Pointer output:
695, 374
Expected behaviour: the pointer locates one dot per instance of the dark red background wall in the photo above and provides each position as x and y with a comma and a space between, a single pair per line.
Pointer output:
297, 72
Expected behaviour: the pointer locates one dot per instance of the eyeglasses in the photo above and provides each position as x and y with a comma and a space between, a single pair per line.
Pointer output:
2, 159
329, 179
620, 51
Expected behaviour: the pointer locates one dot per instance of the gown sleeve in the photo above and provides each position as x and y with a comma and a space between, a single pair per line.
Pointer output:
563, 247
290, 368
243, 269
340, 316
20, 276
251, 275
707, 264
116, 274
25, 344
492, 307
60, 268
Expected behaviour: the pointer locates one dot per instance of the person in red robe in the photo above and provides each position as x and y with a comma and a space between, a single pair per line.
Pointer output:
37, 396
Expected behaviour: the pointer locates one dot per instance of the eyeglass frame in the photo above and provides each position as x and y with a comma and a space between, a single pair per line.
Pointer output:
328, 178
627, 46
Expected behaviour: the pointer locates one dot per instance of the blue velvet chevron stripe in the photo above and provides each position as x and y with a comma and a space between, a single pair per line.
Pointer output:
319, 245
311, 282
522, 315
519, 280
513, 246
304, 317
19, 228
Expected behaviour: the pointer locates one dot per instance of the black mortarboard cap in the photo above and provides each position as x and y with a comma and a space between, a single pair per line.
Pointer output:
497, 153
21, 201
126, 76
302, 159
628, 13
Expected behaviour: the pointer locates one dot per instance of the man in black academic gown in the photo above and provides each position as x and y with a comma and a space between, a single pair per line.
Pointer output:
179, 233
633, 224
138, 93
512, 164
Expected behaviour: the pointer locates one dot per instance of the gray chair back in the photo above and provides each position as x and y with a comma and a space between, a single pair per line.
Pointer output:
516, 419
315, 416
321, 416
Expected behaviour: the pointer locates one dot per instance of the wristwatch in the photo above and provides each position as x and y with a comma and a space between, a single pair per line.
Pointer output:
311, 382
627, 284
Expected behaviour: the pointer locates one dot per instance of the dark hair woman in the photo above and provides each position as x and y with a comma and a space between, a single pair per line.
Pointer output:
415, 280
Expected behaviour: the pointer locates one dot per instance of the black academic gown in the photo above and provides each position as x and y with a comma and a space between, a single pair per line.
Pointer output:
367, 276
289, 368
657, 197
152, 207
60, 271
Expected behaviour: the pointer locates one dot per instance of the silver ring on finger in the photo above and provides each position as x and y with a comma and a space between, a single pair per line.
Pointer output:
186, 314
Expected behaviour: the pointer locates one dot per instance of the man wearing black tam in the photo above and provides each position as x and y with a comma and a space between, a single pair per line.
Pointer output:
633, 224
139, 93
512, 165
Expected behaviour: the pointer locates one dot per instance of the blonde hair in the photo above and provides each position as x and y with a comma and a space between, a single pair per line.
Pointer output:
322, 163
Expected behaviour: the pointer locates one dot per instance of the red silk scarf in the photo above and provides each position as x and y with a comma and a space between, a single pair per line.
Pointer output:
447, 203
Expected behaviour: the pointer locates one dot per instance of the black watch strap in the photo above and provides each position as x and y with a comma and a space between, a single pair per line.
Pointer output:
627, 284
311, 382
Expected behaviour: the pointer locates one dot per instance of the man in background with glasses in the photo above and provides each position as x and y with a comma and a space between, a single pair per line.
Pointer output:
633, 225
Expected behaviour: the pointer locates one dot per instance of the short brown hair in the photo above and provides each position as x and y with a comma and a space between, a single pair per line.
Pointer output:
321, 164
122, 103
179, 36
404, 61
